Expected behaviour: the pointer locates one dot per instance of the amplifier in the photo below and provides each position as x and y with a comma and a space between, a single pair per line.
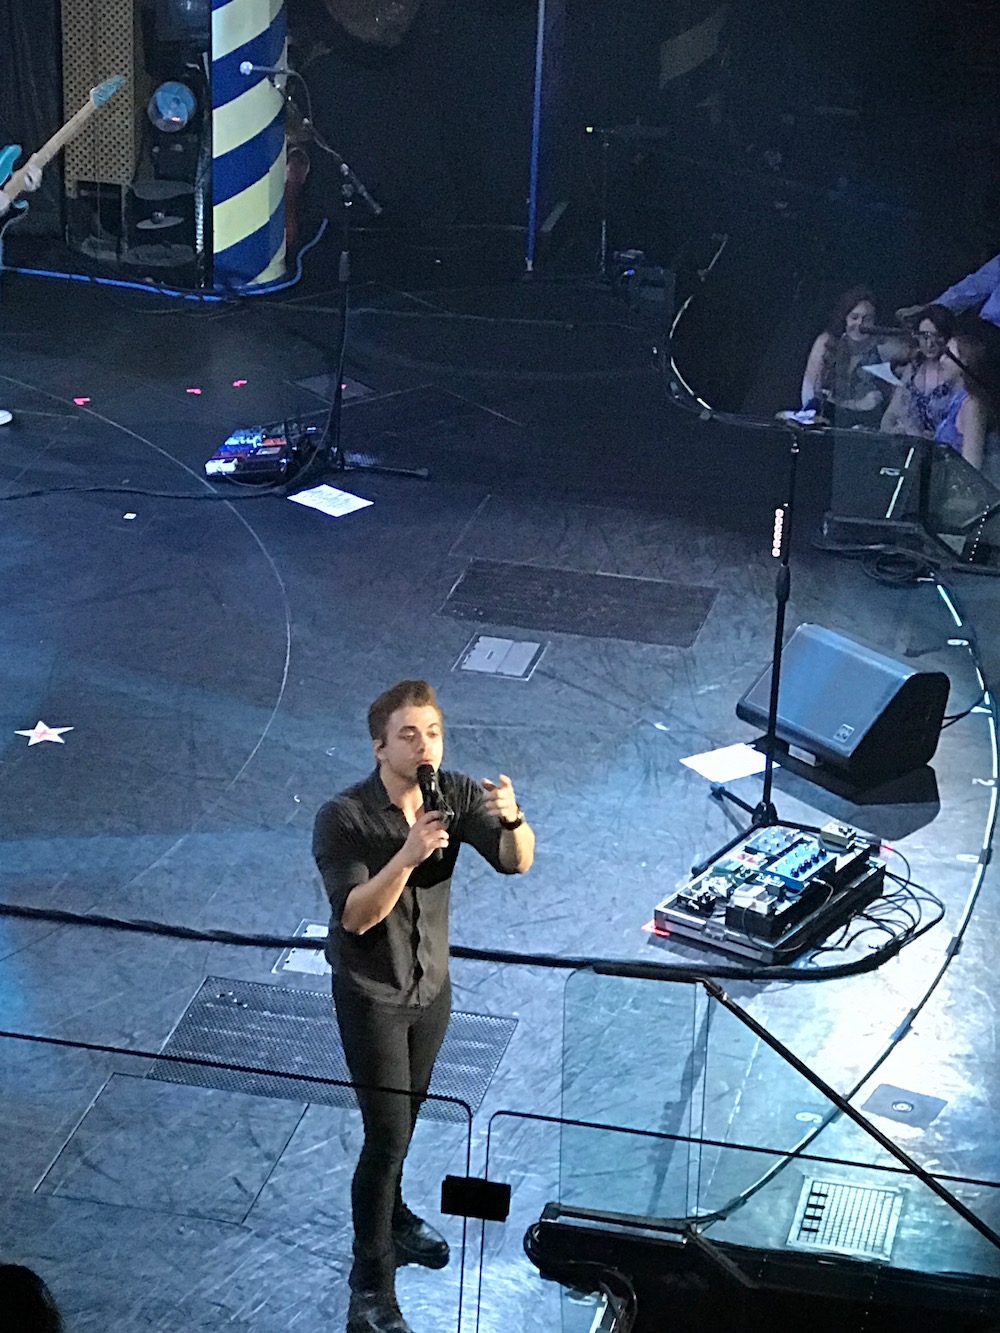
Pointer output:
876, 476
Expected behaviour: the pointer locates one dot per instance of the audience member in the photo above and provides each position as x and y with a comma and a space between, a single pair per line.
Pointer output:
836, 382
26, 1304
924, 393
970, 422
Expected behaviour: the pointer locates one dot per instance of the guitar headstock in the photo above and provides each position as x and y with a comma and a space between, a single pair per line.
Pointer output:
106, 90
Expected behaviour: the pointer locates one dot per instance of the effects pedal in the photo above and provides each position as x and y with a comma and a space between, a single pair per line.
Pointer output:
778, 892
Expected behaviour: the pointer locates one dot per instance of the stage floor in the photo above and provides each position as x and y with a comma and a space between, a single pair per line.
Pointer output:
205, 656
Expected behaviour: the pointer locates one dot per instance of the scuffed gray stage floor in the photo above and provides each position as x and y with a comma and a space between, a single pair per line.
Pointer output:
211, 661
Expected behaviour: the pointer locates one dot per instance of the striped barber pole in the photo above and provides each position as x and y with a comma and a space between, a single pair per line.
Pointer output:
248, 144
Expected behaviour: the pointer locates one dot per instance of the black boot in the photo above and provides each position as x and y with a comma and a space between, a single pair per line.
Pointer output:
416, 1242
375, 1312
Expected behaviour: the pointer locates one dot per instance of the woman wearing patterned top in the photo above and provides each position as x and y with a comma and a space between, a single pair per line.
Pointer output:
924, 394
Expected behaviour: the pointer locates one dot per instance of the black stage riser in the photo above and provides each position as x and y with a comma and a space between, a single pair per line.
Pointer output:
682, 1283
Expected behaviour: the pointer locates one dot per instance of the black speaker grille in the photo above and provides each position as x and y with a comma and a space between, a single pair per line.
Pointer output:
856, 710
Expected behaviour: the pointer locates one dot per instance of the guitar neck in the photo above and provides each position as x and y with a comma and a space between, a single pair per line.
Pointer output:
15, 185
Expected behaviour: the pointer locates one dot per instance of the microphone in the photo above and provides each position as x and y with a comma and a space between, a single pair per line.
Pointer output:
885, 328
247, 68
427, 779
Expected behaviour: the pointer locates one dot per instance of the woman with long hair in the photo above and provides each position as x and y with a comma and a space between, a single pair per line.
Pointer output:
969, 424
836, 382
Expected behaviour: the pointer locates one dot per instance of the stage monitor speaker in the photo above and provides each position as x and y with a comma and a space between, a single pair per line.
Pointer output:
875, 476
847, 707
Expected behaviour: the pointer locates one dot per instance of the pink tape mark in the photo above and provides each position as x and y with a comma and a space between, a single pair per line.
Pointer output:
194, 391
238, 384
81, 401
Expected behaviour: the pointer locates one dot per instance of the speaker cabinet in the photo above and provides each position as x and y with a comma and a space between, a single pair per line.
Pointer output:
854, 710
876, 476
101, 38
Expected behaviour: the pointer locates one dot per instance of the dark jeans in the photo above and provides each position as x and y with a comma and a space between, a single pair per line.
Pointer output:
387, 1046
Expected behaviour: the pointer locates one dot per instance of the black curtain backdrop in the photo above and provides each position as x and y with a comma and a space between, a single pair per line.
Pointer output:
439, 127
31, 96
885, 110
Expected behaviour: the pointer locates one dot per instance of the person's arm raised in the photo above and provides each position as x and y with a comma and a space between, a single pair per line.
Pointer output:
517, 845
814, 369
371, 902
973, 289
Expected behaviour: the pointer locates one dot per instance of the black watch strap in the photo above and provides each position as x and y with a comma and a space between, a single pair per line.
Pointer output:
511, 824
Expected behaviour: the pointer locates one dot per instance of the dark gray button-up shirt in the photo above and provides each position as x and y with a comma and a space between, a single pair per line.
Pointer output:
404, 959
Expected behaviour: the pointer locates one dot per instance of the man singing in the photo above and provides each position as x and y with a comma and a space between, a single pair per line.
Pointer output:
386, 849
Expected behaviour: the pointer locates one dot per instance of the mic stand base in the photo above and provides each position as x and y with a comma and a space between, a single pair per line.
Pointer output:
722, 793
321, 470
329, 458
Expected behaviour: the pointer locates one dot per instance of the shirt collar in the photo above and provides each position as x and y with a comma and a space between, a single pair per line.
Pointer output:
376, 793
375, 790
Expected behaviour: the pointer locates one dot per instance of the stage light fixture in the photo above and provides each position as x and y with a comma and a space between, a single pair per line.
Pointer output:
172, 106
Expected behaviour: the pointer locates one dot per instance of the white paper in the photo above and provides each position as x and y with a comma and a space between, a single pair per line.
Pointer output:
728, 763
328, 500
805, 416
882, 371
312, 961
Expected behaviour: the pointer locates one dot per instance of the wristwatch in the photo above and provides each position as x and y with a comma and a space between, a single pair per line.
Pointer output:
511, 824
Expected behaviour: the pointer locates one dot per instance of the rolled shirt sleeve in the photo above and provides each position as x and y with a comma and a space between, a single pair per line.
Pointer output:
979, 289
475, 825
339, 850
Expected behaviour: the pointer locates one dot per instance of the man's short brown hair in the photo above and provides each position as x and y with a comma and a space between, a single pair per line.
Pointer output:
407, 694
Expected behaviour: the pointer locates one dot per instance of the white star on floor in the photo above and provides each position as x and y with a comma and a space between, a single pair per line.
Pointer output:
40, 732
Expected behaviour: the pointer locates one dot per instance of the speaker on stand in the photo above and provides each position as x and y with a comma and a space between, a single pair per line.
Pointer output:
851, 710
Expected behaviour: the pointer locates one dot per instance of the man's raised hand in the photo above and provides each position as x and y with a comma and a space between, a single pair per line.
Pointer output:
500, 798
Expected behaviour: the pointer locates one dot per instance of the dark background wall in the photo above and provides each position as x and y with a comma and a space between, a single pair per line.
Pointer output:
889, 105
30, 90
839, 115
914, 83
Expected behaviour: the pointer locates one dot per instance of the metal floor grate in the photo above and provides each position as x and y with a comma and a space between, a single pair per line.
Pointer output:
289, 1031
859, 1220
566, 601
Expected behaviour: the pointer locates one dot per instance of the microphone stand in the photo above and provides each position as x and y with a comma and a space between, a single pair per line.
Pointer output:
764, 813
328, 455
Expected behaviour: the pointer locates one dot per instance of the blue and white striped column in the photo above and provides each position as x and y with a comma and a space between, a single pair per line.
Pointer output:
248, 144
